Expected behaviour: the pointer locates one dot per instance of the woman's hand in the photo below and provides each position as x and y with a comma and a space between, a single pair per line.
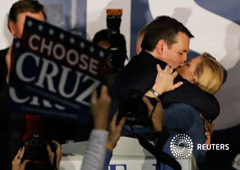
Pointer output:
17, 163
52, 154
164, 81
208, 131
208, 139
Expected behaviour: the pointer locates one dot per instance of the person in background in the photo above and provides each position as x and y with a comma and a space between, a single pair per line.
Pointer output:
96, 148
95, 152
117, 52
115, 130
18, 164
102, 39
140, 38
12, 125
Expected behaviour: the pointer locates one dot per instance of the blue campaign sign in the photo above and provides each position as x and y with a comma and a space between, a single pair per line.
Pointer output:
54, 72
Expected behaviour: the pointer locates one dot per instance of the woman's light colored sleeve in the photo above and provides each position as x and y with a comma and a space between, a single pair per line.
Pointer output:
95, 154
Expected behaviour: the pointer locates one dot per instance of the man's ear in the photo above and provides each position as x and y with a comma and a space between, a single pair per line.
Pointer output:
160, 46
11, 26
138, 48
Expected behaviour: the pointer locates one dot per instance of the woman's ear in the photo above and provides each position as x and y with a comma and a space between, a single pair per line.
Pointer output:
194, 81
11, 26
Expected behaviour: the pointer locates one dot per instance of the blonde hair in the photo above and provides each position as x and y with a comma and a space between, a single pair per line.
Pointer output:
209, 74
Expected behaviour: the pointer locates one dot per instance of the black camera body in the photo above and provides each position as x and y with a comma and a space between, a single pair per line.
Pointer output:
35, 149
134, 109
117, 49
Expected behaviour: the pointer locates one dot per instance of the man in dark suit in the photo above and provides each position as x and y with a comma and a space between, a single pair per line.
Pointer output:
12, 125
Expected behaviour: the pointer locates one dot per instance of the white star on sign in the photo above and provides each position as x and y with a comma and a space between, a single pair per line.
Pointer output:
51, 32
17, 44
101, 54
91, 49
82, 45
61, 36
72, 40
29, 23
40, 27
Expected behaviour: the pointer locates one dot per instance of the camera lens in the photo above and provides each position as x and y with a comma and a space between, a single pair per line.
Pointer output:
116, 61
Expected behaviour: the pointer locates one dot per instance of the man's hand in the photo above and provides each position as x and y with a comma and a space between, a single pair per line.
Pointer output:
52, 154
16, 163
115, 131
100, 108
156, 114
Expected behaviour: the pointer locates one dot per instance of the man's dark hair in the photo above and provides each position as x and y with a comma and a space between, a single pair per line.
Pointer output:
165, 28
103, 35
22, 6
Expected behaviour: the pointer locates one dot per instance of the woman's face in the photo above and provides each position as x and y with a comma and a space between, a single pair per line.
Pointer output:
188, 69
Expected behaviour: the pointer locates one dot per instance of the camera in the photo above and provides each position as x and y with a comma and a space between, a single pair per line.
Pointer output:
134, 109
35, 150
117, 49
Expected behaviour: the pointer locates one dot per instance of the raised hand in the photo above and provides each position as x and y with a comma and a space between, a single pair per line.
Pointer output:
51, 154
100, 108
164, 80
17, 163
115, 130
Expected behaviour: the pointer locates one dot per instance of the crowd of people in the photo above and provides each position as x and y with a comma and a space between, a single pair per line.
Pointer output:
183, 95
